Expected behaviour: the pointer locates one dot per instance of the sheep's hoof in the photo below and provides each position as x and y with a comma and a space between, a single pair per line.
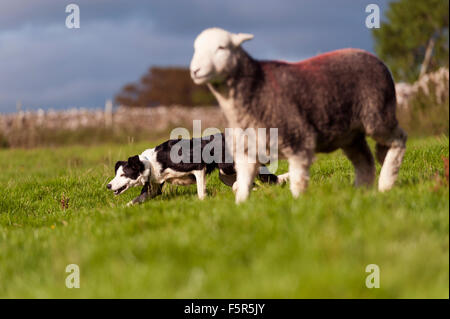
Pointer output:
241, 197
296, 192
384, 188
234, 187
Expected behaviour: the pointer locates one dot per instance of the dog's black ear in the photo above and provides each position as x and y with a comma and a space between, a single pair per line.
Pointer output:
118, 164
136, 163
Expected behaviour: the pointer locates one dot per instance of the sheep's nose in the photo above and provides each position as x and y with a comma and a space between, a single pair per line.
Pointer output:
196, 71
108, 186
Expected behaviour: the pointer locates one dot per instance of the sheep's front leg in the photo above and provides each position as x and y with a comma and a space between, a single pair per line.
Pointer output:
200, 177
360, 155
244, 179
299, 164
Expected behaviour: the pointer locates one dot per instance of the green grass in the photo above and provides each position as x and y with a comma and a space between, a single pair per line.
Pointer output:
176, 246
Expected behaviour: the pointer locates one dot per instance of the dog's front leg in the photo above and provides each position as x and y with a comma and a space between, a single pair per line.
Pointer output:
200, 177
148, 191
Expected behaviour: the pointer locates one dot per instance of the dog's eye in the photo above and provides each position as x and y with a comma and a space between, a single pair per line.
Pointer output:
122, 175
221, 48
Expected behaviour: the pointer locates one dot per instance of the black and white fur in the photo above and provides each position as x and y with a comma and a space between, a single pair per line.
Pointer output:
154, 167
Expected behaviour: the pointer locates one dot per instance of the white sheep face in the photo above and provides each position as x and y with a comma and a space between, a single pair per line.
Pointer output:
214, 54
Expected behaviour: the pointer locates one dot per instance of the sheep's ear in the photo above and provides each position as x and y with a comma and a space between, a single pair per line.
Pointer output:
239, 38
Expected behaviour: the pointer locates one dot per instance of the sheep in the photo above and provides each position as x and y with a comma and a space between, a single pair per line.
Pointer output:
330, 101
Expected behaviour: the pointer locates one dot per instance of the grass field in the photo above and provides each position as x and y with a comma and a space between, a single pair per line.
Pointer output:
176, 246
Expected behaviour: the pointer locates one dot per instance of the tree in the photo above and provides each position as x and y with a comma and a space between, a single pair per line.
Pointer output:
164, 86
414, 39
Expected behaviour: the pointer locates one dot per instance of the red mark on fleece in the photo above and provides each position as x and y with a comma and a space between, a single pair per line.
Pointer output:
309, 67
315, 62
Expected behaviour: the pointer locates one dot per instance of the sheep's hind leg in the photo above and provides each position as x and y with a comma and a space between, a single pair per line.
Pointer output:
358, 152
299, 171
393, 159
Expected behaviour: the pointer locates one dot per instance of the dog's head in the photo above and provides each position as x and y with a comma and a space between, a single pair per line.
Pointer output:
128, 174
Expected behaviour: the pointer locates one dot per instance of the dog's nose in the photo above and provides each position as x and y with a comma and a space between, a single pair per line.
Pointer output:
108, 186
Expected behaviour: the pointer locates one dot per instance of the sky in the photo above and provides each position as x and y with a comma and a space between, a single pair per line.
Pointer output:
43, 64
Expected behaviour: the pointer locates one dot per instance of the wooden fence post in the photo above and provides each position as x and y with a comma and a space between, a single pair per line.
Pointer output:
108, 113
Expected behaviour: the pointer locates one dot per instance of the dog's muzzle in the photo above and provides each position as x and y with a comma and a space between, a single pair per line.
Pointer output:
120, 190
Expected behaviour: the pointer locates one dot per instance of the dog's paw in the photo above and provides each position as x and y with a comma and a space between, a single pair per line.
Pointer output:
282, 179
130, 203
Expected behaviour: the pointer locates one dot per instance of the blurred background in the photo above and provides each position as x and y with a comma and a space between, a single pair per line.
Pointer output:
123, 75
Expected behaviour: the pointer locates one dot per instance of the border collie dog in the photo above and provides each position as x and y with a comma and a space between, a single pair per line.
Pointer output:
154, 167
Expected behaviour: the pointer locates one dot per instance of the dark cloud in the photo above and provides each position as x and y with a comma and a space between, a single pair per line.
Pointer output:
44, 64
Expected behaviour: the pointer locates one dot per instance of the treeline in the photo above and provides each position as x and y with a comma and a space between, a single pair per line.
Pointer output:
165, 86
413, 39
